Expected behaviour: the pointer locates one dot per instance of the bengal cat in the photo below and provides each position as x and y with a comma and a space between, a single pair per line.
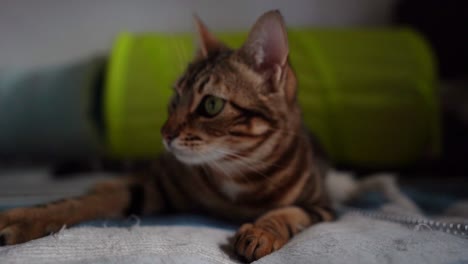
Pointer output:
237, 150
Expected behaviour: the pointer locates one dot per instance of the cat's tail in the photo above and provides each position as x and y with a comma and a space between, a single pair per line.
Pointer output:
343, 187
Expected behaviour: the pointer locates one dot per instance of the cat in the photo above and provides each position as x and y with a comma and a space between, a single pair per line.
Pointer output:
236, 149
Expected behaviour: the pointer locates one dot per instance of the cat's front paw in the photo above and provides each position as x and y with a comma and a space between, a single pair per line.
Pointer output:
253, 242
24, 224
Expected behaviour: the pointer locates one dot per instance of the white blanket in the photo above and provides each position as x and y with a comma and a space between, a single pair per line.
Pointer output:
352, 239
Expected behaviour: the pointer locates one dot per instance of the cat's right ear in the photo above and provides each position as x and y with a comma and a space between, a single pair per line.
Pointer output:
207, 42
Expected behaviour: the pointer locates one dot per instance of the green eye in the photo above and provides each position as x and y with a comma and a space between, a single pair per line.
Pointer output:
211, 106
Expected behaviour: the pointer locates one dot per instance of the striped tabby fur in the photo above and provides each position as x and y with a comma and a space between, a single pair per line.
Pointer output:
253, 162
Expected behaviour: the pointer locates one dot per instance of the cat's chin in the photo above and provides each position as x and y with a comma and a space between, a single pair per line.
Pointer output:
195, 158
192, 157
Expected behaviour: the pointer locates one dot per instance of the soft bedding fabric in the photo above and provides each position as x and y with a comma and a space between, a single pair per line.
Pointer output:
352, 239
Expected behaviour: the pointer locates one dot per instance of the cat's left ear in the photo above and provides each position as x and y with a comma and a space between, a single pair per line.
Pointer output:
207, 42
267, 42
267, 49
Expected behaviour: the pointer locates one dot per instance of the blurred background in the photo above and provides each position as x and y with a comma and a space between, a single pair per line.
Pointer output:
52, 32
53, 54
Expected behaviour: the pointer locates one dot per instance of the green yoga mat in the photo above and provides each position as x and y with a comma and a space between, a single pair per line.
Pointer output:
368, 95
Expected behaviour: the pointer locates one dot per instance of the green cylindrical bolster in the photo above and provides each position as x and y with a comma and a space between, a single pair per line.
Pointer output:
368, 95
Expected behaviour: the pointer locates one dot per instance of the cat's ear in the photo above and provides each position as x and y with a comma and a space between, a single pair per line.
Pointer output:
266, 49
207, 43
267, 43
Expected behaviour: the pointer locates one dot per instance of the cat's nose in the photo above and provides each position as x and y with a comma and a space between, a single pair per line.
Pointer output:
170, 137
169, 134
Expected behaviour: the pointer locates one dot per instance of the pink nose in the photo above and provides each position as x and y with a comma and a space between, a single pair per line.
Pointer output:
170, 137
169, 134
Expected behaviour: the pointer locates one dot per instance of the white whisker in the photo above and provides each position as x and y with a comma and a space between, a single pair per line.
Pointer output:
246, 165
249, 160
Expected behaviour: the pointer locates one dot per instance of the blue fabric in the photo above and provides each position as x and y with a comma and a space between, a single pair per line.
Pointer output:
166, 220
430, 203
50, 102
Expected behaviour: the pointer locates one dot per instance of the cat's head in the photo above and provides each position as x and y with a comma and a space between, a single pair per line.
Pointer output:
232, 103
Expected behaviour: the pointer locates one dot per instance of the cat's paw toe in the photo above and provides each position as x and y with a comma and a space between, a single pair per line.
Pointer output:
13, 234
20, 225
253, 242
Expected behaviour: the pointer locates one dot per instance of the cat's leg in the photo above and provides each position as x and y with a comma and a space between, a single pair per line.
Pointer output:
110, 199
272, 230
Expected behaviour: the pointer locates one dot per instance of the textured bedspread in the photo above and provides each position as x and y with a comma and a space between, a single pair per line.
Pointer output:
352, 239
